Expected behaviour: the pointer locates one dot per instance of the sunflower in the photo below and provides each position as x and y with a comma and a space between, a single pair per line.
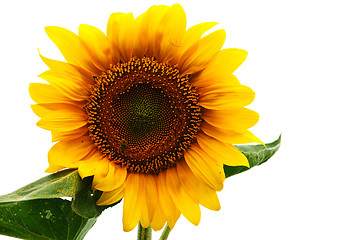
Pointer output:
150, 110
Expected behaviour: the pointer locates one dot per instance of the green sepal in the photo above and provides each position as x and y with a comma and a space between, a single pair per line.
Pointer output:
84, 203
256, 155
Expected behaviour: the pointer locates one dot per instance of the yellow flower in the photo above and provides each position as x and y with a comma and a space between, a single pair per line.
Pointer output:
150, 110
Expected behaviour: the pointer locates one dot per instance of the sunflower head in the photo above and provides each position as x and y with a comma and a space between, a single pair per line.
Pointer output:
150, 110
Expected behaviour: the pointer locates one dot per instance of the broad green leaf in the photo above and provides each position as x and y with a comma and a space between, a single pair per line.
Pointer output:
64, 183
256, 155
37, 212
43, 219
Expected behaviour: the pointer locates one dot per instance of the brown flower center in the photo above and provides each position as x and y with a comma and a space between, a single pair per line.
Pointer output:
143, 115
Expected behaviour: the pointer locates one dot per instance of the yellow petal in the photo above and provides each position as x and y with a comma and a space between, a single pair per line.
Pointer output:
45, 109
184, 203
46, 93
68, 153
223, 152
148, 35
97, 45
63, 120
227, 97
71, 48
133, 202
69, 70
194, 33
120, 31
174, 23
100, 172
204, 167
224, 62
188, 181
158, 220
207, 197
69, 135
150, 197
92, 164
111, 197
112, 180
205, 85
234, 119
167, 205
53, 168
72, 86
196, 57
229, 136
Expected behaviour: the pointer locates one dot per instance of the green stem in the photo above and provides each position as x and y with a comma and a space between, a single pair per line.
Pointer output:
165, 233
144, 233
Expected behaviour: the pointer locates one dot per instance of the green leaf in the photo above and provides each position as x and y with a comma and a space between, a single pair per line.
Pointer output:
256, 155
37, 212
42, 219
64, 183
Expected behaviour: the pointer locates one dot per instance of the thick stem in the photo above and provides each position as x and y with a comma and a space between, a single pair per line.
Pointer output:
165, 233
144, 233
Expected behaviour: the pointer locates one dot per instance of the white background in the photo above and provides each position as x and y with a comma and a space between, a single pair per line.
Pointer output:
304, 65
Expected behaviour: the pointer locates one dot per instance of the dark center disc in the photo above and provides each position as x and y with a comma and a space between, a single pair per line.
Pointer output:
143, 115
